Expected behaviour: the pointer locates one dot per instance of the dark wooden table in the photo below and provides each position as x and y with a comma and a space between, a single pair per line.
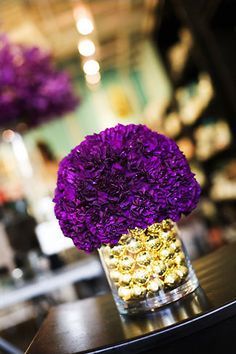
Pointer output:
204, 321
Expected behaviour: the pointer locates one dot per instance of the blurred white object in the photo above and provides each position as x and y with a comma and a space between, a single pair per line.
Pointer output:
43, 209
51, 239
22, 156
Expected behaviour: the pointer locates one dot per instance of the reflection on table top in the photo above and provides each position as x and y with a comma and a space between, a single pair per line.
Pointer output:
94, 324
186, 308
87, 268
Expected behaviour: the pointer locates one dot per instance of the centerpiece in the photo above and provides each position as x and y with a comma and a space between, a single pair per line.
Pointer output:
122, 191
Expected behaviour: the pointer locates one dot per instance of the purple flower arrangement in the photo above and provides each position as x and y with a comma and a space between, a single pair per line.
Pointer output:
122, 178
32, 90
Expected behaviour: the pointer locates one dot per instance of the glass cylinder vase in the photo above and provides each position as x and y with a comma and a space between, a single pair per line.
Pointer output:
148, 268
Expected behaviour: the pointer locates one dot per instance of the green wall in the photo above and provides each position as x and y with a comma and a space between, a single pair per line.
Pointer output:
145, 87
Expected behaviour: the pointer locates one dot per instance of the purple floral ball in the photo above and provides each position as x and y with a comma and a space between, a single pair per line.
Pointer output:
122, 178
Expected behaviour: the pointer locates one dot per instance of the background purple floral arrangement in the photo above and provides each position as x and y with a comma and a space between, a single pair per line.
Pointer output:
32, 90
122, 178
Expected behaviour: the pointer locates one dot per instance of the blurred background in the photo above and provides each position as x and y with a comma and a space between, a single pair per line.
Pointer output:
167, 64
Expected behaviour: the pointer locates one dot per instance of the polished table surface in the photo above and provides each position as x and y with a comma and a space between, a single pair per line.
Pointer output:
94, 326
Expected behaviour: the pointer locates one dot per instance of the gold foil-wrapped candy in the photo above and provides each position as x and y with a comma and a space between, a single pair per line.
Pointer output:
144, 258
153, 244
117, 251
115, 275
113, 262
140, 276
154, 285
182, 271
169, 235
138, 291
171, 279
154, 230
125, 279
123, 239
179, 258
158, 267
134, 246
167, 225
164, 253
173, 247
147, 261
125, 292
138, 234
126, 263
178, 244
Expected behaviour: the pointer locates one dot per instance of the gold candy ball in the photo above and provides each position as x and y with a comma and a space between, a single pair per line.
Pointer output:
134, 246
126, 263
143, 258
115, 275
171, 279
125, 279
168, 236
125, 292
113, 262
123, 239
170, 262
137, 233
153, 244
173, 247
179, 258
140, 276
167, 225
182, 271
138, 291
158, 268
154, 229
154, 285
148, 268
164, 253
117, 251
178, 244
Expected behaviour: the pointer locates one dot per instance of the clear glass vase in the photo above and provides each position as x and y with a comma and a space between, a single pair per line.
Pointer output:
148, 268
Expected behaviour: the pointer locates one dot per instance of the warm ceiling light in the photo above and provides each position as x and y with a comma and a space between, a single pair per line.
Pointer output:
84, 25
86, 47
91, 67
93, 79
8, 135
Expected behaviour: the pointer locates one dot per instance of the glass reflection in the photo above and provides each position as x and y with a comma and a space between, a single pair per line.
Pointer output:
186, 308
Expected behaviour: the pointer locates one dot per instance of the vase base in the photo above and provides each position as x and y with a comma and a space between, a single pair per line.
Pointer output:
161, 299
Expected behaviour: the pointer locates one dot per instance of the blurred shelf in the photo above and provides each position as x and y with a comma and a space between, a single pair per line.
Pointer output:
220, 156
211, 26
85, 269
187, 74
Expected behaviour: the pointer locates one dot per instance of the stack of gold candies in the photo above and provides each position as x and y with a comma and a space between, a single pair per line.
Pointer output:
146, 261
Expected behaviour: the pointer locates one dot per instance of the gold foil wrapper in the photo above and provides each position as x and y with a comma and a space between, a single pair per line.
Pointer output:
146, 261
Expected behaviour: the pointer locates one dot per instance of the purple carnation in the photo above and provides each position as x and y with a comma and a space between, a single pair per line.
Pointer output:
122, 178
